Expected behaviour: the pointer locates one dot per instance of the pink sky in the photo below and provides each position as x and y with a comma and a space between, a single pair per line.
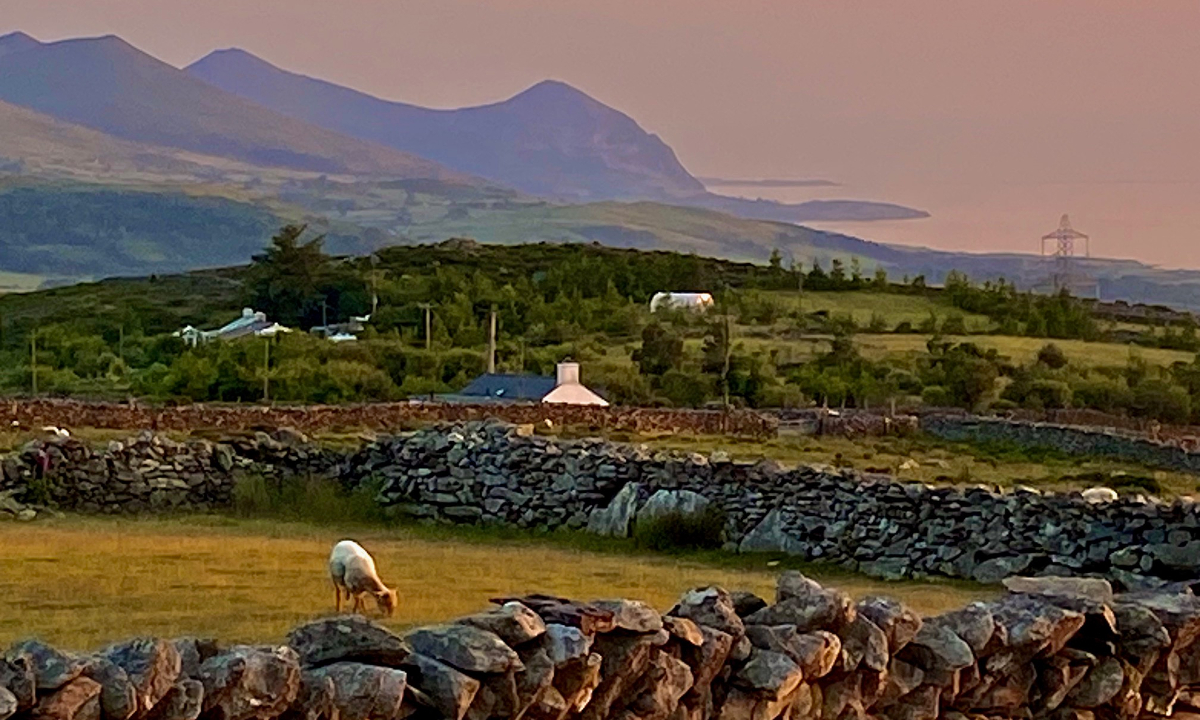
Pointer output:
894, 98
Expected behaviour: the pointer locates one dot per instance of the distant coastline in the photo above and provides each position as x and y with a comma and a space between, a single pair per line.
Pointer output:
768, 182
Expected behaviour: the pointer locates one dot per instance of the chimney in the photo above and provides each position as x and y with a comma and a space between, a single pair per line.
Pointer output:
568, 374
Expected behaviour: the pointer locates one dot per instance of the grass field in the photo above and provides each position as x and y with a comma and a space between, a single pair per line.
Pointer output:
18, 282
81, 583
893, 308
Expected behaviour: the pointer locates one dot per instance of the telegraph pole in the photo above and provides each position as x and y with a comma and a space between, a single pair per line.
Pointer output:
33, 360
491, 362
428, 308
267, 370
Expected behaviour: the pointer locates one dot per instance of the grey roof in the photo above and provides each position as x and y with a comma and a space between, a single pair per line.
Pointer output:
508, 387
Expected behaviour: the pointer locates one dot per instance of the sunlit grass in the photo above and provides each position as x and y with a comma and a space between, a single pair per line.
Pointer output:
83, 582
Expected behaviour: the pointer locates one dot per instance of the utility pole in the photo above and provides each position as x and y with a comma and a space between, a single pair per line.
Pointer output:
325, 316
491, 362
267, 370
121, 343
728, 360
428, 308
33, 360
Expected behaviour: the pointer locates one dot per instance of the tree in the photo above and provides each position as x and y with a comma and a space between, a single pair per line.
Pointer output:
296, 283
1052, 356
662, 350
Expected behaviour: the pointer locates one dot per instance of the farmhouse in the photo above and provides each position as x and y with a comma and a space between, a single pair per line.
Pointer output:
250, 323
565, 388
688, 301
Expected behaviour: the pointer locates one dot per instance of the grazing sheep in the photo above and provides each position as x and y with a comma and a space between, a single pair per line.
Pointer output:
353, 570
57, 431
1099, 495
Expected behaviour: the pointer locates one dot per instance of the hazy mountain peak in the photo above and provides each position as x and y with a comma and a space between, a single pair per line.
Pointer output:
16, 42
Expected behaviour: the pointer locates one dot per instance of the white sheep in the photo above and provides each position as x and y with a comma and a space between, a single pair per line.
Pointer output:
352, 570
1100, 495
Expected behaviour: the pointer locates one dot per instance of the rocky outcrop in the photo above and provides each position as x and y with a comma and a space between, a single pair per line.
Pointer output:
1057, 649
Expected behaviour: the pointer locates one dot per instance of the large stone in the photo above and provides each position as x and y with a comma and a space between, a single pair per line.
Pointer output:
8, 703
770, 536
184, 701
898, 623
1034, 627
668, 502
315, 700
632, 615
250, 683
902, 678
937, 649
975, 625
119, 699
616, 520
449, 691
1100, 685
708, 660
561, 611
863, 643
347, 639
52, 668
78, 699
535, 680
192, 654
748, 705
662, 687
770, 674
578, 680
746, 602
512, 622
365, 692
684, 630
996, 569
825, 610
17, 676
152, 665
921, 704
711, 607
564, 643
1095, 589
1183, 557
1143, 636
623, 660
465, 647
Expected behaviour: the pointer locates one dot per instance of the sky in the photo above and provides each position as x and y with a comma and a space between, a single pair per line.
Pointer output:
1023, 109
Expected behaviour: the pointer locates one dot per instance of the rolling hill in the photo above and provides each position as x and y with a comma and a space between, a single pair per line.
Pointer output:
551, 140
112, 87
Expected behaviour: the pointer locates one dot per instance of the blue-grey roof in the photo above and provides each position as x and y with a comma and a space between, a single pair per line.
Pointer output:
508, 387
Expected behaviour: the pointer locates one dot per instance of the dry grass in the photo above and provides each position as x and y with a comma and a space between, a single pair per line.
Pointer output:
81, 583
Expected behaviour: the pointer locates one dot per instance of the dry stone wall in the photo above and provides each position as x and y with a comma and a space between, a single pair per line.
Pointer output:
1175, 454
1052, 649
491, 473
375, 416
151, 473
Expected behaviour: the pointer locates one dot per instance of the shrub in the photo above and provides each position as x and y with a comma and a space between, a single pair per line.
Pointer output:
937, 396
1052, 356
682, 531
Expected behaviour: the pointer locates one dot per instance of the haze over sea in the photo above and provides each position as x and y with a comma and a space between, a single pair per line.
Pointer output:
1153, 222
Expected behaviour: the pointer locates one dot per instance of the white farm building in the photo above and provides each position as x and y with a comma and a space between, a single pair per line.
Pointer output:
688, 301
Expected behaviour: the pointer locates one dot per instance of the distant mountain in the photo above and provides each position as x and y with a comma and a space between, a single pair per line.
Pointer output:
110, 86
551, 140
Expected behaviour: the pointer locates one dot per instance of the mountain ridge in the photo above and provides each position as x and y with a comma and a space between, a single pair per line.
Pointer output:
108, 85
550, 140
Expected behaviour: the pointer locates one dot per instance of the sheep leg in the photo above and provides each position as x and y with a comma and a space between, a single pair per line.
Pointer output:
337, 591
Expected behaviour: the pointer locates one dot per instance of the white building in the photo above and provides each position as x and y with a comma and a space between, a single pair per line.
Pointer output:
568, 389
250, 323
564, 388
687, 301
